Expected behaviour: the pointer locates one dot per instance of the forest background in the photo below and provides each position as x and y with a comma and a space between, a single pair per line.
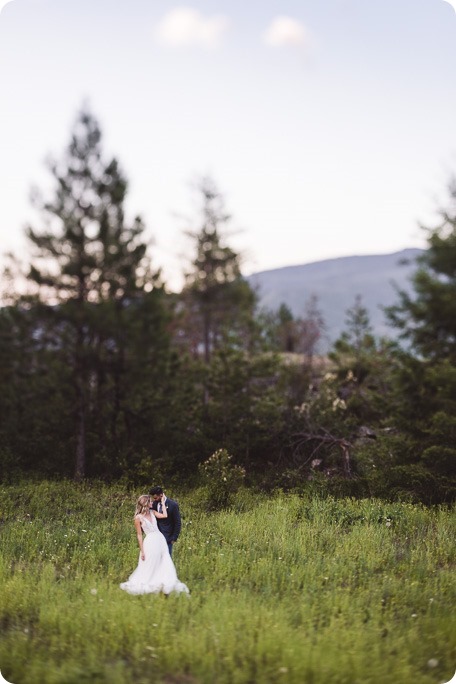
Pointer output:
107, 374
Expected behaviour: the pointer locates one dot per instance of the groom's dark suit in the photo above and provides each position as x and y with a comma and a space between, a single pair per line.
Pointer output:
170, 527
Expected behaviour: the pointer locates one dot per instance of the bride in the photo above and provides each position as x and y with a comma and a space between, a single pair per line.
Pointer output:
155, 572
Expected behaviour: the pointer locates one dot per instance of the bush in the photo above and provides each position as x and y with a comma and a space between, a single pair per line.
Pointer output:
222, 479
9, 466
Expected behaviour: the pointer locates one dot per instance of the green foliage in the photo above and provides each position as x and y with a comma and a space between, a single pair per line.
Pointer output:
324, 591
105, 374
426, 374
441, 456
92, 338
390, 469
217, 302
9, 467
364, 367
35, 419
222, 479
277, 329
244, 410
284, 333
427, 319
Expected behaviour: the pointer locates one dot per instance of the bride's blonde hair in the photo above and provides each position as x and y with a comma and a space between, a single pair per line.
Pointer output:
142, 505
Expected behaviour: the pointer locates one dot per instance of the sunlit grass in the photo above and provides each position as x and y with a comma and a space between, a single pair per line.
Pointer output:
282, 589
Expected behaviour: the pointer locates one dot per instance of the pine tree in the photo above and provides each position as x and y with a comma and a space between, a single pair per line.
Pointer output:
426, 319
279, 329
425, 405
219, 302
310, 330
356, 345
364, 366
90, 265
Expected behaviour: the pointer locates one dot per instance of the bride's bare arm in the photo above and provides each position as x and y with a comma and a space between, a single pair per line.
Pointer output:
140, 537
161, 515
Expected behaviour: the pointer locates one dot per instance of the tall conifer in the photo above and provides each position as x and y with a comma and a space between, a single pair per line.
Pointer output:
89, 265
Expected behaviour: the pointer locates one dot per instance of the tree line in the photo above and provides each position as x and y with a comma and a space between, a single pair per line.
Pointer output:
106, 373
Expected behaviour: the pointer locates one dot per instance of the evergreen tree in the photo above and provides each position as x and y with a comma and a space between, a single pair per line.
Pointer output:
279, 329
89, 267
219, 303
425, 401
426, 319
353, 350
287, 333
245, 413
364, 366
358, 333
310, 330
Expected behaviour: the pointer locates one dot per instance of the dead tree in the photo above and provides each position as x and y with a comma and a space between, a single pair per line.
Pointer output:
318, 440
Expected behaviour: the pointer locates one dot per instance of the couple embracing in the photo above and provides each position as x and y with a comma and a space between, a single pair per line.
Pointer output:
158, 519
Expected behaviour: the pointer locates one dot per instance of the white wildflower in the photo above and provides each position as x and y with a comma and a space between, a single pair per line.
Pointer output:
339, 404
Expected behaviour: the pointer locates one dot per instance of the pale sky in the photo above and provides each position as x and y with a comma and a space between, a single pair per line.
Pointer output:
329, 125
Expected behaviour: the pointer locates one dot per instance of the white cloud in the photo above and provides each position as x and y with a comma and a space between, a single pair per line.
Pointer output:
3, 3
187, 27
285, 31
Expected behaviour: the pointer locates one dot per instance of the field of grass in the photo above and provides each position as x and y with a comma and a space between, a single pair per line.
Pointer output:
283, 589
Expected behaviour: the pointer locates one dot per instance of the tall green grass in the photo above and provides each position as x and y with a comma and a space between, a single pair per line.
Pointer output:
283, 589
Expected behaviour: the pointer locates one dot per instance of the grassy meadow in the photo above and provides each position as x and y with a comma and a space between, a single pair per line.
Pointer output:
283, 589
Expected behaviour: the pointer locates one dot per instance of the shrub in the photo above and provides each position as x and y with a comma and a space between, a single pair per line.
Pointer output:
222, 479
9, 466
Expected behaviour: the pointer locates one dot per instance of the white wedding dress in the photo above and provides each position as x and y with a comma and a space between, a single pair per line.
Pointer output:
156, 573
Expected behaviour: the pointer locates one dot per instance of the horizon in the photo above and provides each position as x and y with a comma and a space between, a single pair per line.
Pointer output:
338, 258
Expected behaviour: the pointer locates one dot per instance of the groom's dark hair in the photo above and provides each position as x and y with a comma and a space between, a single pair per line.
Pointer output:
156, 491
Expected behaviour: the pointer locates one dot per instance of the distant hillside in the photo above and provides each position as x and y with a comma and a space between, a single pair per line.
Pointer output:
336, 282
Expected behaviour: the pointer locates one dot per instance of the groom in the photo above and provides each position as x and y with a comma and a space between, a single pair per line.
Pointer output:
170, 527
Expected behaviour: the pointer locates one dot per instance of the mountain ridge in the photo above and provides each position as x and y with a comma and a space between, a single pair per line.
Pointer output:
336, 282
